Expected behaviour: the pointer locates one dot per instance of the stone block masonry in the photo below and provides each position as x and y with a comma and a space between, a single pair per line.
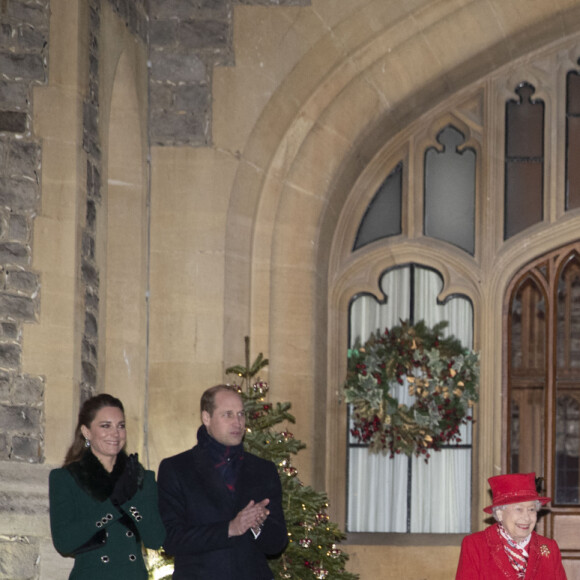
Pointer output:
187, 40
23, 63
92, 147
24, 522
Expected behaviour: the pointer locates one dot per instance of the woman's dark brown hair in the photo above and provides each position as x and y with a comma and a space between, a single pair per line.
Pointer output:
86, 416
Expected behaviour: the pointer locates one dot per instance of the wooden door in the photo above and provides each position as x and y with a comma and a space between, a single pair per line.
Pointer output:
543, 389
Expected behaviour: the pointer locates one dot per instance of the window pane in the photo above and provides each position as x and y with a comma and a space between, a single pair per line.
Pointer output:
572, 165
382, 217
367, 315
569, 322
527, 377
450, 192
524, 196
573, 140
380, 478
440, 498
527, 444
457, 311
568, 384
524, 162
567, 450
525, 125
404, 494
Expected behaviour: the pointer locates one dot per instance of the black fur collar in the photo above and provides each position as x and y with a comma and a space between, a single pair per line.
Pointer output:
93, 478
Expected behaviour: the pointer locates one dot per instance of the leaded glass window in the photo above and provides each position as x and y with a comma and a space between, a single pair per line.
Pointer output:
383, 215
524, 162
450, 191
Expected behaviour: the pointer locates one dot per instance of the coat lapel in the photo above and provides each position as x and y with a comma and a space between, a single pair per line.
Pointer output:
533, 559
246, 482
497, 552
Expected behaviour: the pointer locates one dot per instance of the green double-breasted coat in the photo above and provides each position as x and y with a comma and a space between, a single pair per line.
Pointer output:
78, 511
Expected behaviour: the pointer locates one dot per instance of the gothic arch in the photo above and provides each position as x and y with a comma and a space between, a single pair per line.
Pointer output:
313, 141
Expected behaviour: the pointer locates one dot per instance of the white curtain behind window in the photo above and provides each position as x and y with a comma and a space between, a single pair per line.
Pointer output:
380, 488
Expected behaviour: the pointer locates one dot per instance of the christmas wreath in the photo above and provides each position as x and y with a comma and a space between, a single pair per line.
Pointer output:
441, 377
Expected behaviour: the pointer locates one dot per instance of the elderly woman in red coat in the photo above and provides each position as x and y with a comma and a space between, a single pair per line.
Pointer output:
510, 549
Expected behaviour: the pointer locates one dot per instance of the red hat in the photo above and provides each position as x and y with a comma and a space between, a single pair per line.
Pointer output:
514, 488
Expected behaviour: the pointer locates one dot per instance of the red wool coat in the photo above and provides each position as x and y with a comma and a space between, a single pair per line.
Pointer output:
483, 558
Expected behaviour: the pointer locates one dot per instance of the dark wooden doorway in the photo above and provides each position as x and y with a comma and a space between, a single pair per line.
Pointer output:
542, 319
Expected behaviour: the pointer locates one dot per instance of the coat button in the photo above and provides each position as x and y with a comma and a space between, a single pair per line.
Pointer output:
129, 534
105, 559
99, 524
132, 557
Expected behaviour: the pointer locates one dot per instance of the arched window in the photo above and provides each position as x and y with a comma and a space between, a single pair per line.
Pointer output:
524, 161
480, 195
383, 216
404, 494
544, 377
450, 191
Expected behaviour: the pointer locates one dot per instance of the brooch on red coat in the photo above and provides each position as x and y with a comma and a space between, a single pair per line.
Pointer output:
544, 551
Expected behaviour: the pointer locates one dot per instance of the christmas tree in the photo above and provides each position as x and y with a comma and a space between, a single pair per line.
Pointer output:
312, 551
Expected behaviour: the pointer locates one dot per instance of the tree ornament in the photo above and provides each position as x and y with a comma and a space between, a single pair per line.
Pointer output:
441, 376
260, 387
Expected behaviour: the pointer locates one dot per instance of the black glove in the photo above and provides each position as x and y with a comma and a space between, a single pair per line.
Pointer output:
129, 481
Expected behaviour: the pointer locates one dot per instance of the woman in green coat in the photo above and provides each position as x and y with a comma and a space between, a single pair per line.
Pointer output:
103, 503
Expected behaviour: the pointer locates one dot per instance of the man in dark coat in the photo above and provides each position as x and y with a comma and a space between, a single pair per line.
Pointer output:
221, 506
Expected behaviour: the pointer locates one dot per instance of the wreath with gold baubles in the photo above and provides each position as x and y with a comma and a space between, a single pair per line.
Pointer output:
441, 375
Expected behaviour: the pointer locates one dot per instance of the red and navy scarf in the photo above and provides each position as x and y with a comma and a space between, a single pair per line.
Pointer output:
227, 460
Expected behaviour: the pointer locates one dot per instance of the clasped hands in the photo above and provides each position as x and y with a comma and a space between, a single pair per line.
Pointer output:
252, 516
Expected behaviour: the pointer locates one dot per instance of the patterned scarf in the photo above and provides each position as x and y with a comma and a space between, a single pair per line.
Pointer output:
515, 551
227, 460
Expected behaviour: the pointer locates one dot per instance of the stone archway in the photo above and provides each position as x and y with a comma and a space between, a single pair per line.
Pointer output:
358, 86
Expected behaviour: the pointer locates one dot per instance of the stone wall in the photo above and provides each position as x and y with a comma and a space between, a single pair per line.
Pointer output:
134, 14
24, 34
23, 54
188, 39
89, 267
25, 543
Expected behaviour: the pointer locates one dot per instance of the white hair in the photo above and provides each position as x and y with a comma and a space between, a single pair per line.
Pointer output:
498, 508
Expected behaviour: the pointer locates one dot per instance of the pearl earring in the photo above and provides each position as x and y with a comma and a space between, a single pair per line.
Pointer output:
87, 443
